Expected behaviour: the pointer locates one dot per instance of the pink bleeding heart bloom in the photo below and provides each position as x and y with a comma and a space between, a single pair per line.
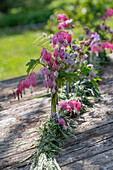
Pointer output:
55, 52
111, 47
60, 39
108, 44
59, 26
69, 109
54, 39
20, 88
44, 55
57, 33
64, 33
42, 72
78, 105
63, 105
61, 53
64, 17
22, 84
17, 92
55, 66
27, 83
50, 83
48, 56
105, 45
63, 24
69, 38
109, 13
43, 51
45, 83
32, 75
33, 82
47, 71
72, 103
62, 122
59, 17
53, 77
50, 62
95, 48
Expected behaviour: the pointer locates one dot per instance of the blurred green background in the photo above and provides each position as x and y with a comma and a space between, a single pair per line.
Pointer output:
21, 22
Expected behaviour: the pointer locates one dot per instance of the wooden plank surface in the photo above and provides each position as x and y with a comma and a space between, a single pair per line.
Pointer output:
93, 148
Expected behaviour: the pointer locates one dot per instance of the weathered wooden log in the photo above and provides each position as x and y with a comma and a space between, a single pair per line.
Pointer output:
93, 148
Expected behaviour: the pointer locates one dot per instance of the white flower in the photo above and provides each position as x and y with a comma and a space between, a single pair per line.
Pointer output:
56, 73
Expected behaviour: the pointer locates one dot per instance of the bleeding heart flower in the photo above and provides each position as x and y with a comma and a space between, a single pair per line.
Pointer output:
47, 71
55, 66
64, 17
53, 77
72, 103
63, 105
45, 83
33, 82
95, 48
62, 122
59, 17
69, 38
33, 75
78, 105
27, 83
55, 52
50, 83
42, 72
60, 38
68, 108
22, 84
54, 39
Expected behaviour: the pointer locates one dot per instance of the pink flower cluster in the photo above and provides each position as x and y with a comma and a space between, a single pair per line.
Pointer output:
62, 18
25, 84
58, 53
108, 14
64, 21
62, 38
95, 49
107, 45
69, 106
46, 57
49, 78
60, 41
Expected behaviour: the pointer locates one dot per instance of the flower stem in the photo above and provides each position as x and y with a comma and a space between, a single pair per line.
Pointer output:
54, 102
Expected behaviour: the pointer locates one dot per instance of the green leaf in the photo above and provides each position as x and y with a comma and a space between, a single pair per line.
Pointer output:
31, 64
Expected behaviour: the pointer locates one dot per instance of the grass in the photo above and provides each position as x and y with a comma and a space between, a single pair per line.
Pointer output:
15, 52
